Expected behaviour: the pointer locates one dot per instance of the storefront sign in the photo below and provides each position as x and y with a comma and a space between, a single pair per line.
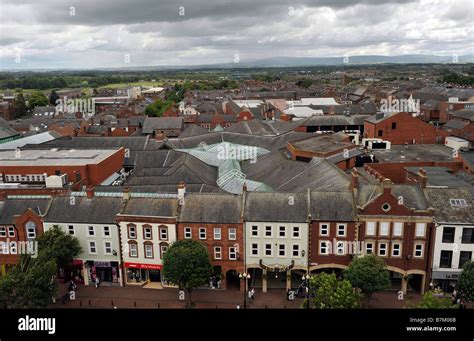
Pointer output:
102, 264
143, 266
445, 275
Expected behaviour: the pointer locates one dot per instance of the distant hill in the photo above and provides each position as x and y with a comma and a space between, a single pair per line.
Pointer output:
289, 62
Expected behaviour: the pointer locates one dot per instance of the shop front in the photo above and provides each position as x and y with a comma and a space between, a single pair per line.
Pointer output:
445, 280
106, 271
139, 273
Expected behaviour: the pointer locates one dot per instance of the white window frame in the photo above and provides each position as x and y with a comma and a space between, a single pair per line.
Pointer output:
202, 231
416, 229
28, 236
145, 234
148, 247
344, 226
370, 226
217, 233
293, 232
131, 250
399, 249
321, 225
188, 233
384, 228
397, 225
422, 250
298, 251
267, 230
90, 247
232, 233
163, 231
367, 247
89, 231
326, 247
280, 230
133, 235
3, 231
338, 248
105, 247
73, 230
163, 249
11, 231
265, 250
217, 252
232, 253
253, 248
104, 234
280, 249
254, 231
379, 248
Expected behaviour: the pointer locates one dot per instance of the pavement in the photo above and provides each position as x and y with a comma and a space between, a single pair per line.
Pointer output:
167, 298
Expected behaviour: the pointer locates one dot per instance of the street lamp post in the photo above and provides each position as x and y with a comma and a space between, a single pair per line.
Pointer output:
306, 279
245, 277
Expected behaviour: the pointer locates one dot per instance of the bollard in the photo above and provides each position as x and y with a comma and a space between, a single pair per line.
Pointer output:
135, 303
89, 302
112, 303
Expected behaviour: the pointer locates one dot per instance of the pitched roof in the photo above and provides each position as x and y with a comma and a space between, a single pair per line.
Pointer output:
17, 206
333, 206
211, 208
80, 209
156, 207
439, 199
161, 123
278, 207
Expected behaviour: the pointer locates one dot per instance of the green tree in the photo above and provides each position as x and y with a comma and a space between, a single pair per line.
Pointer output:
20, 105
466, 281
53, 97
36, 99
30, 284
431, 300
60, 246
187, 264
369, 274
333, 293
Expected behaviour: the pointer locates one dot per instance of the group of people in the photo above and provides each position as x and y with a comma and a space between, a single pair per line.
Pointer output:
214, 282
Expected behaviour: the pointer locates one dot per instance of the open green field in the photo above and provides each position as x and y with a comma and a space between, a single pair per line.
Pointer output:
121, 85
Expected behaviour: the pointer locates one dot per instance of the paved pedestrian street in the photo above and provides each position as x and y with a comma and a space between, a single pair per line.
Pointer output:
141, 298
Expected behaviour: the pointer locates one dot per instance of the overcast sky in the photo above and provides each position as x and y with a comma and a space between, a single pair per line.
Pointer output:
122, 33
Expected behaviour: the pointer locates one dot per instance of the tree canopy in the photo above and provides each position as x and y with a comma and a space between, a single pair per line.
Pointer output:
466, 281
187, 264
369, 274
333, 293
431, 300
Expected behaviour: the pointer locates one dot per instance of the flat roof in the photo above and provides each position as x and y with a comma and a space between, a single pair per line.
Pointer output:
53, 157
322, 143
414, 152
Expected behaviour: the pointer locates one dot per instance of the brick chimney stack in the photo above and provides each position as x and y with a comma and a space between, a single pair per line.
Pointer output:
354, 179
90, 192
422, 178
126, 193
181, 192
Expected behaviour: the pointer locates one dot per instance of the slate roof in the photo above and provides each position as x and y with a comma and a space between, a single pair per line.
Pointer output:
17, 206
158, 207
260, 206
413, 196
211, 208
161, 123
80, 209
193, 130
5, 130
335, 120
466, 114
438, 198
333, 206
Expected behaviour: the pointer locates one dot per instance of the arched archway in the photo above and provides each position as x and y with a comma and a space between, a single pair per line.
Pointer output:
232, 280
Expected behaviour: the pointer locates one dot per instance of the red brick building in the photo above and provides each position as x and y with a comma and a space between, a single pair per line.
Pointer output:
21, 221
402, 128
332, 235
82, 167
397, 225
217, 221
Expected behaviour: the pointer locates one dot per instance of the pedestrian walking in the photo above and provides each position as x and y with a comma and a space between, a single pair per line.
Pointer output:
252, 293
97, 282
